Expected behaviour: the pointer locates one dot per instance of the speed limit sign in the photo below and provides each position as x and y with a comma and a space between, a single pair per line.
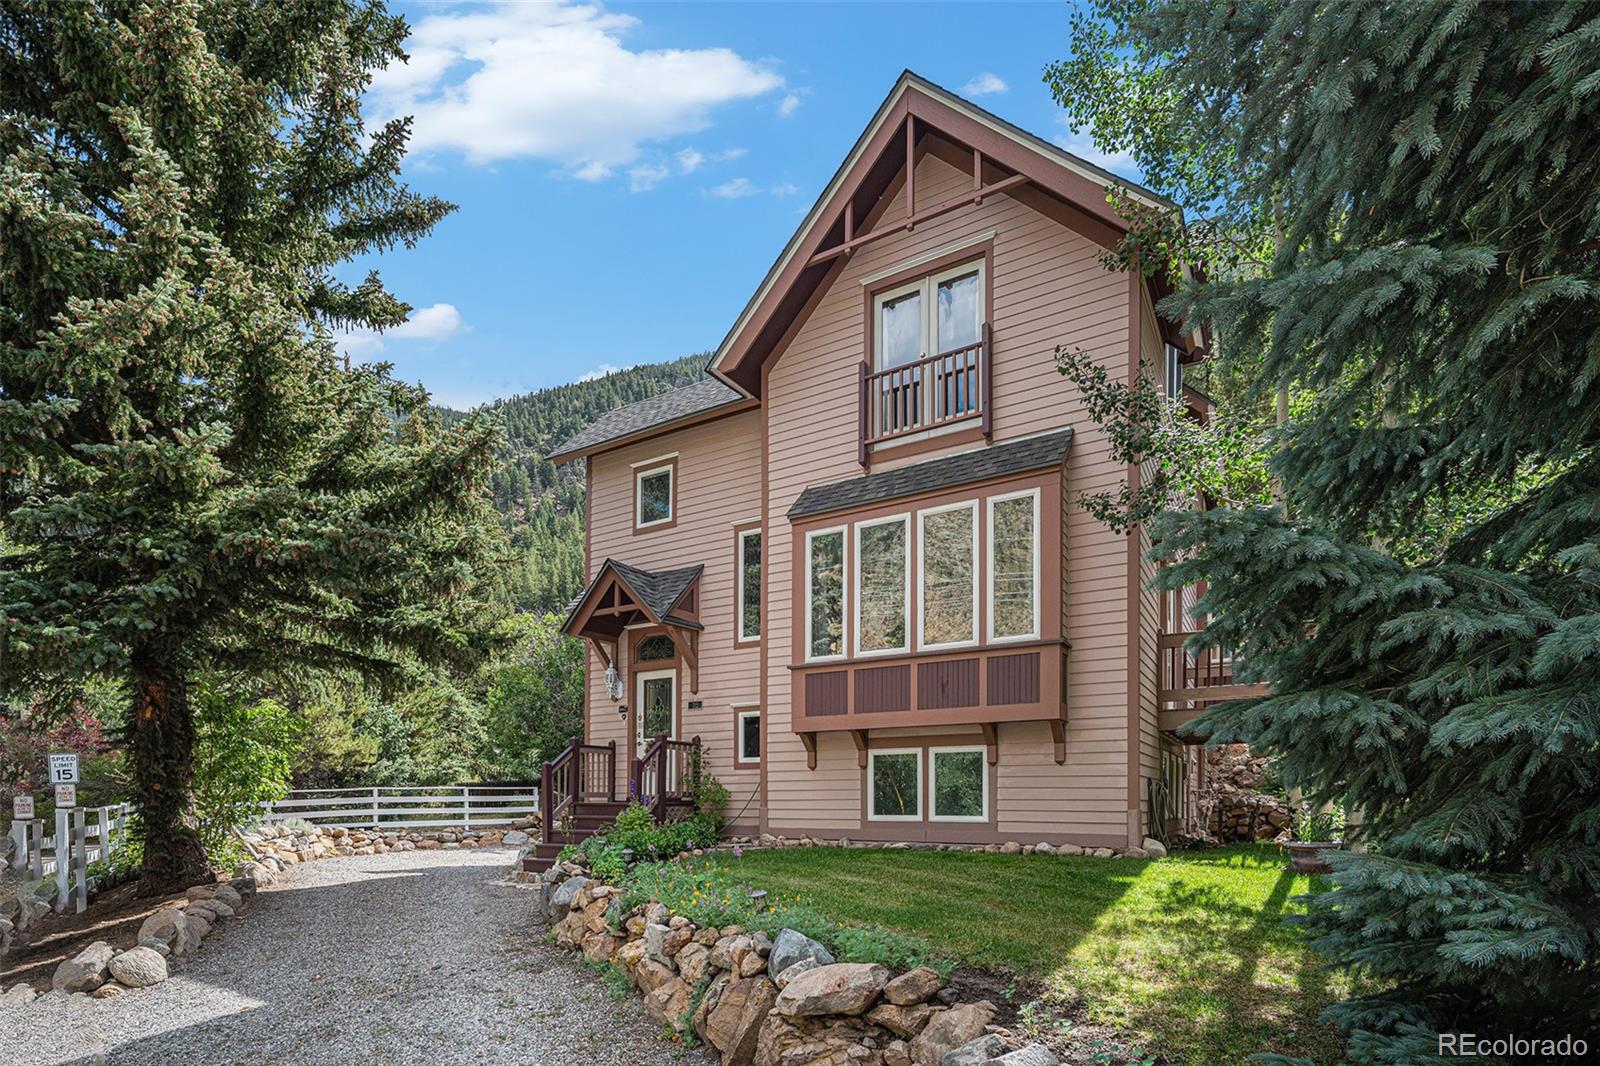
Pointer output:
64, 769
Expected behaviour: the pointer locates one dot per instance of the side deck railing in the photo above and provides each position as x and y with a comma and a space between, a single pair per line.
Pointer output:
1190, 681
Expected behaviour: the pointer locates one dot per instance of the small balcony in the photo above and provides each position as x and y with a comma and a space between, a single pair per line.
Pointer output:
1193, 681
928, 394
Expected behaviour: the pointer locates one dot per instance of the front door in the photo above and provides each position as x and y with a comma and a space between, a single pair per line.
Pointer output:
658, 705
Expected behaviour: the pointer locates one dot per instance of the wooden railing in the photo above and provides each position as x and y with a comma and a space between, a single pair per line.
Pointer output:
663, 777
407, 806
934, 391
581, 772
1191, 681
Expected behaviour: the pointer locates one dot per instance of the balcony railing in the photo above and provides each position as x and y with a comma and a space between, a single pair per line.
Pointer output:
1193, 681
934, 391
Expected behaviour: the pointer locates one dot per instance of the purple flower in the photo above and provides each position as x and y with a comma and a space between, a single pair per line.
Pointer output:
691, 843
738, 852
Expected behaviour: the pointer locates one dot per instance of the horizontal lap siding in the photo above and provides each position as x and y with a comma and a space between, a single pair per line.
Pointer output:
1049, 289
1151, 354
719, 483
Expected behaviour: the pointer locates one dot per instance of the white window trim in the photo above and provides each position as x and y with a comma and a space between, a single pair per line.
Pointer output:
904, 519
929, 256
928, 286
739, 757
654, 460
639, 678
989, 582
638, 495
933, 783
922, 569
872, 793
844, 593
738, 587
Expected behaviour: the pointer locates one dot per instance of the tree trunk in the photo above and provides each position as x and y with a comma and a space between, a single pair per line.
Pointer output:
161, 747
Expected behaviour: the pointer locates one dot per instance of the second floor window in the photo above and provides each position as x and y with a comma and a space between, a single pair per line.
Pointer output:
882, 597
948, 549
1014, 566
749, 579
825, 594
653, 496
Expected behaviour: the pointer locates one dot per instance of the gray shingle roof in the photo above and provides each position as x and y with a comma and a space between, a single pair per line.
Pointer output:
997, 460
659, 589
658, 410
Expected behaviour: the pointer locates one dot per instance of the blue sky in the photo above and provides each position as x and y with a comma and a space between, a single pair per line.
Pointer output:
625, 173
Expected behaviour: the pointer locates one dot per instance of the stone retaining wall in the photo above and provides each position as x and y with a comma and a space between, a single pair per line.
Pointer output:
1236, 808
286, 845
764, 1002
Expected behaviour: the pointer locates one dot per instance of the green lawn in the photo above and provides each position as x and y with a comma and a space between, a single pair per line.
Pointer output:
1190, 952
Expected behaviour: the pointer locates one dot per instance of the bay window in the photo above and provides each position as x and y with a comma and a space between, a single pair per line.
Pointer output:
947, 546
1014, 566
882, 585
825, 594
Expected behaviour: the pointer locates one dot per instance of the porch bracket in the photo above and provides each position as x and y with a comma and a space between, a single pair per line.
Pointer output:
1058, 733
600, 650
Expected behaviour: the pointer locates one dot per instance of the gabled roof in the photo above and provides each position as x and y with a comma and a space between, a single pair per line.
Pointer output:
917, 106
997, 460
653, 594
654, 413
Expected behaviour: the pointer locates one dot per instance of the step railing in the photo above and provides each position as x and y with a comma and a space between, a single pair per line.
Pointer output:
664, 776
580, 773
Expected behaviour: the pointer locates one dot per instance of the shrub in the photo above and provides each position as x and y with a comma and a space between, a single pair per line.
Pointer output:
243, 757
1312, 824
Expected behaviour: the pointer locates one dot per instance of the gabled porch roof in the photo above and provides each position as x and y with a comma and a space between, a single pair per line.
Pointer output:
622, 595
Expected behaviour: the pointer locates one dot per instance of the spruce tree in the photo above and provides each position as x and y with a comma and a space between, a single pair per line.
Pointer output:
1426, 605
190, 480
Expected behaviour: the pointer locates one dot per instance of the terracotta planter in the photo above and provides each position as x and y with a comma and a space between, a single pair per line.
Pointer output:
1305, 856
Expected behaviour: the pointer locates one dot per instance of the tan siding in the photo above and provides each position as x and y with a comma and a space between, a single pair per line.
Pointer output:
1151, 348
719, 484
1049, 289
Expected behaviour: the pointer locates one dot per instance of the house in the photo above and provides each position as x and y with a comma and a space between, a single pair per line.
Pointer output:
848, 572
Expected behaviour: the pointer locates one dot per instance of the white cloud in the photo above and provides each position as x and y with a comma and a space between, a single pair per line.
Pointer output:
985, 84
785, 189
790, 103
736, 189
728, 155
1082, 145
554, 82
689, 160
646, 176
432, 323
599, 372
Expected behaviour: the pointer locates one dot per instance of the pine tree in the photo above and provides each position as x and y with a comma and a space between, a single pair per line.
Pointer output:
1429, 617
189, 480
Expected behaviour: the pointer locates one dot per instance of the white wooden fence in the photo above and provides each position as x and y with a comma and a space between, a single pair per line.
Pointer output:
407, 807
82, 835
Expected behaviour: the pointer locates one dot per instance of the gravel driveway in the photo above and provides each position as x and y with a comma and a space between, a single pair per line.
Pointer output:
412, 957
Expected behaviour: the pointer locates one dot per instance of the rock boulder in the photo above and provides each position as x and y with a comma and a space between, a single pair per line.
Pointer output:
842, 988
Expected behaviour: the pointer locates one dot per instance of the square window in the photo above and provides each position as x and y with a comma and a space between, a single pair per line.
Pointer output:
894, 785
653, 492
960, 784
749, 737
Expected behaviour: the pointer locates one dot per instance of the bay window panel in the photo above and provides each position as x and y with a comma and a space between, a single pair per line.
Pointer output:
825, 589
881, 608
1013, 540
949, 577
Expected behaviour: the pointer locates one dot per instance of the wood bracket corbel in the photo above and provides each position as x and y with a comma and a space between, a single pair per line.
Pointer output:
600, 650
810, 742
860, 737
1058, 733
991, 740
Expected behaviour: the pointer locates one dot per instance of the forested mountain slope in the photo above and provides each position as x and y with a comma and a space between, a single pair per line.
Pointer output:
541, 504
